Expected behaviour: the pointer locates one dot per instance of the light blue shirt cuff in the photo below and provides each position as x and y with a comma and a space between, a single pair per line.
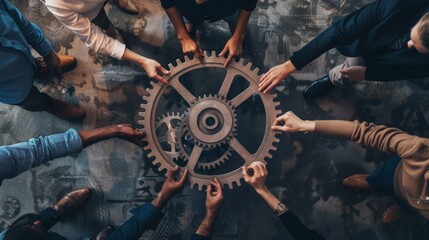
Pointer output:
64, 144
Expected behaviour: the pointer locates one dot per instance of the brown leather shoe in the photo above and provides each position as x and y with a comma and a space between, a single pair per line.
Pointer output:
72, 201
65, 110
357, 181
105, 233
393, 214
67, 63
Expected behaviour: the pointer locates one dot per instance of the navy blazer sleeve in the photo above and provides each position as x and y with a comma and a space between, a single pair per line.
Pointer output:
297, 229
144, 217
344, 31
196, 236
166, 4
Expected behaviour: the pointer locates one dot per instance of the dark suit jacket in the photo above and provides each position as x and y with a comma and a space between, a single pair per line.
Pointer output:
366, 33
144, 217
217, 9
295, 227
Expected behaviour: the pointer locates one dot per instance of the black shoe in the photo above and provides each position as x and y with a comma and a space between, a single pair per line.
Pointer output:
318, 88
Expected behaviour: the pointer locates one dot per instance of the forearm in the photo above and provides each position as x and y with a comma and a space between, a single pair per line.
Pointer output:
269, 197
92, 136
177, 19
206, 226
133, 57
240, 28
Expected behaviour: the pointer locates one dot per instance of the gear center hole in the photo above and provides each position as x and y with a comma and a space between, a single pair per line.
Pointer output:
210, 121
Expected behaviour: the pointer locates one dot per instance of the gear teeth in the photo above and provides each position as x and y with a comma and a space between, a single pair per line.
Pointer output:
178, 62
256, 71
170, 66
241, 61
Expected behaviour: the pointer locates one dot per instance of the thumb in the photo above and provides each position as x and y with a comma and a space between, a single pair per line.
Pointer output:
277, 128
344, 70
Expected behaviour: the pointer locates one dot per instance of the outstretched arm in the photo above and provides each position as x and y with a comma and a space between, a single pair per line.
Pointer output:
214, 200
189, 46
255, 175
382, 138
149, 215
234, 46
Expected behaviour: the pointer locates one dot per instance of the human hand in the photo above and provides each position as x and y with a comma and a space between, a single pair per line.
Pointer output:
289, 122
353, 74
129, 133
233, 47
52, 61
275, 75
170, 187
153, 68
255, 175
214, 197
189, 46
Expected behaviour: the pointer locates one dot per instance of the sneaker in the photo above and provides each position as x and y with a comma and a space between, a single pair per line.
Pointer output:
65, 110
72, 201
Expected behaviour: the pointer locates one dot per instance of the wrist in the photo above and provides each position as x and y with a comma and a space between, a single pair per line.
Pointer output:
289, 66
183, 36
160, 201
308, 126
211, 214
262, 190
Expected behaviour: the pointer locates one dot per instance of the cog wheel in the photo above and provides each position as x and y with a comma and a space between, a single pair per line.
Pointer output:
169, 138
182, 147
235, 68
211, 121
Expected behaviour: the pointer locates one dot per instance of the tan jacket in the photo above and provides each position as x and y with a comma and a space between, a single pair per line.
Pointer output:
412, 173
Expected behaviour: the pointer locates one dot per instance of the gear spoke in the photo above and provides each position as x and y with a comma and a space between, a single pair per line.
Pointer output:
243, 96
242, 151
227, 82
193, 159
183, 91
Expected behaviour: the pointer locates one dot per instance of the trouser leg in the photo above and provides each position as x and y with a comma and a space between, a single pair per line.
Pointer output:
49, 217
101, 20
335, 74
36, 101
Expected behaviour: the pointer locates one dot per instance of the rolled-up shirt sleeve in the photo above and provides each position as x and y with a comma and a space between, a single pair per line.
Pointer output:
248, 5
18, 158
90, 34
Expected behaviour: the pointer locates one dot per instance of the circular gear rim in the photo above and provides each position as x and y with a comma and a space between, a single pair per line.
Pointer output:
210, 60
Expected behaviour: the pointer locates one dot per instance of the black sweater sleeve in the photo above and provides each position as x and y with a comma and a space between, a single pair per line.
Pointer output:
166, 4
248, 5
297, 229
344, 31
394, 73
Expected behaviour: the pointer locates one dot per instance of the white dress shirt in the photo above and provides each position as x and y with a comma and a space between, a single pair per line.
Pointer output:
77, 15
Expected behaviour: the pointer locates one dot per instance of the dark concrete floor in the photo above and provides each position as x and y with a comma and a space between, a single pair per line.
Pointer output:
305, 172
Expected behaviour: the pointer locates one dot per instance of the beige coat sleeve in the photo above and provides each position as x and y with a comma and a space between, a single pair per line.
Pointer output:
382, 138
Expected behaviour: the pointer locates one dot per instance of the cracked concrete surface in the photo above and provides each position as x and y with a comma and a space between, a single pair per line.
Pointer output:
305, 172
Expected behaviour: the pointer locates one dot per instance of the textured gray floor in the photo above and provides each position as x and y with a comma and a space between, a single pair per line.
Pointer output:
306, 171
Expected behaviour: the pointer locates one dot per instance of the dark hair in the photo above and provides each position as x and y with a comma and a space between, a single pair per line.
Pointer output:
422, 28
26, 232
